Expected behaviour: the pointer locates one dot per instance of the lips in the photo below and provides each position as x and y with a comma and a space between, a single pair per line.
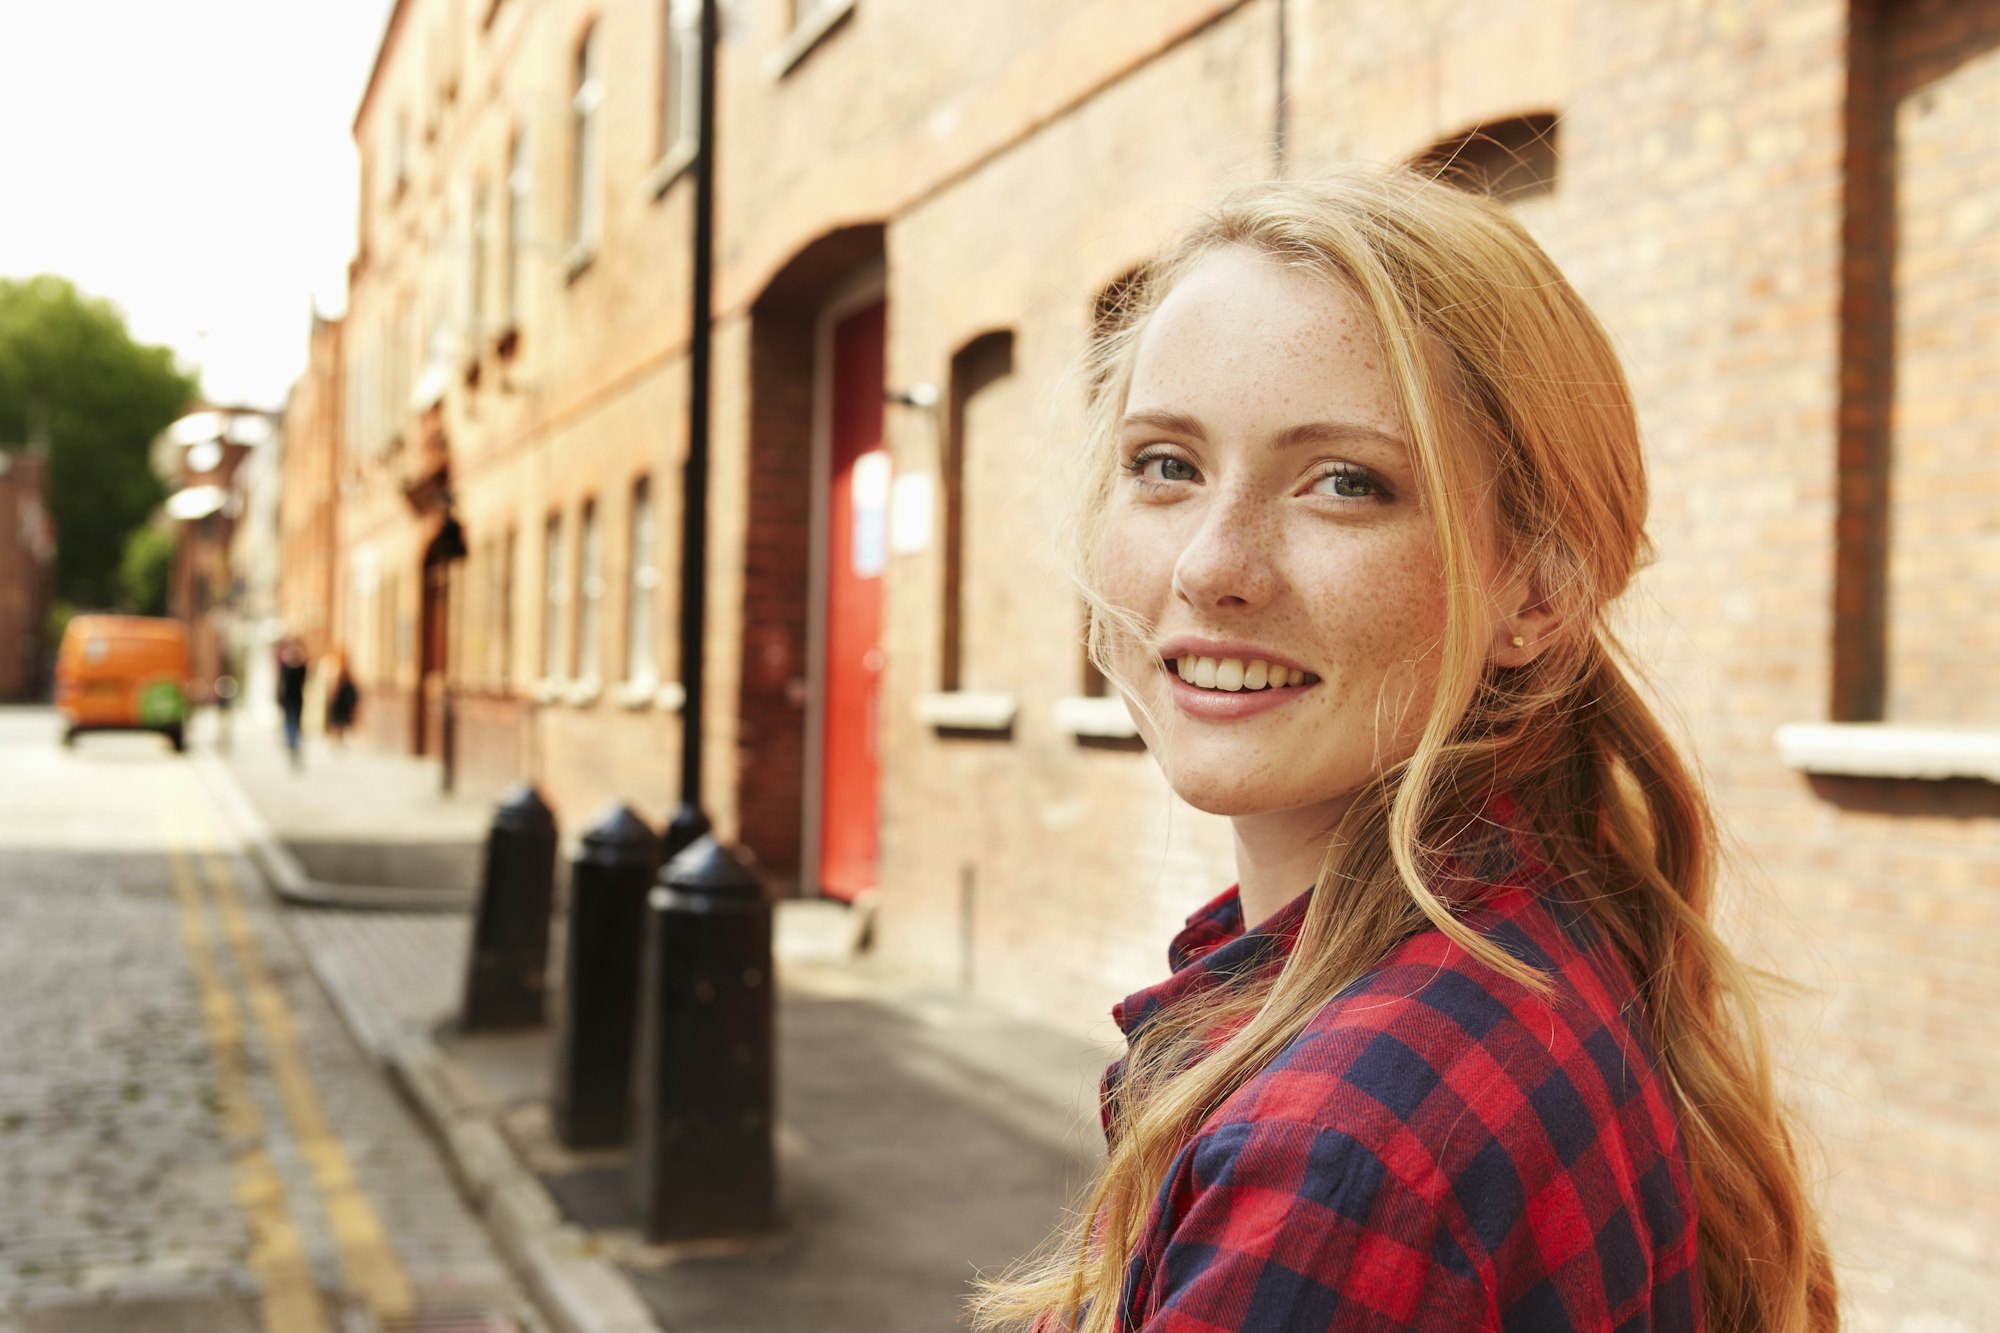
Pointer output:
1222, 680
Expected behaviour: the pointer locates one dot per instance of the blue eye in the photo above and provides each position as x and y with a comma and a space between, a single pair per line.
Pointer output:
1349, 484
1170, 467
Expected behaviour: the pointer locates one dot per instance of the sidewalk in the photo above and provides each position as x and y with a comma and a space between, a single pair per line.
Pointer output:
923, 1136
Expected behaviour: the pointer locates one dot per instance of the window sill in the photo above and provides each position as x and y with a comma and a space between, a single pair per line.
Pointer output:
1886, 750
805, 37
583, 691
580, 257
965, 710
546, 690
637, 692
669, 168
1104, 719
672, 697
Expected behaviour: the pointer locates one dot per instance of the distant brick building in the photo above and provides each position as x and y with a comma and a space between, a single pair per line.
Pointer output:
308, 494
1787, 211
27, 554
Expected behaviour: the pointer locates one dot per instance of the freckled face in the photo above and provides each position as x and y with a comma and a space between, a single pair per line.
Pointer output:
1265, 510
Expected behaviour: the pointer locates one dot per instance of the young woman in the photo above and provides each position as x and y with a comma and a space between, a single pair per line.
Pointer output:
1364, 476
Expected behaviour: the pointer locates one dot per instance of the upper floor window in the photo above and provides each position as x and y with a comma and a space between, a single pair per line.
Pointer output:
517, 226
475, 266
680, 81
587, 145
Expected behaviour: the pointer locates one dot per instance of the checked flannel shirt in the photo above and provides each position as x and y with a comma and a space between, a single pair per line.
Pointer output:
1439, 1149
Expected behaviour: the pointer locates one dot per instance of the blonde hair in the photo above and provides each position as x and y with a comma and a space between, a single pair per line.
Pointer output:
1514, 401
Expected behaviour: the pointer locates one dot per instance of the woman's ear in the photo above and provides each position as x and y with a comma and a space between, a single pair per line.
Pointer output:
1526, 626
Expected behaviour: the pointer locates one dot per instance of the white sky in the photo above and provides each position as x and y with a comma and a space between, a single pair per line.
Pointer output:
192, 161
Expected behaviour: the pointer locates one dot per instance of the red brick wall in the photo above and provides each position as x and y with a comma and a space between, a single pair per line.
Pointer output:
1784, 213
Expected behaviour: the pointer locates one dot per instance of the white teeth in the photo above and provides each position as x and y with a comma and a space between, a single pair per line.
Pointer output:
1234, 674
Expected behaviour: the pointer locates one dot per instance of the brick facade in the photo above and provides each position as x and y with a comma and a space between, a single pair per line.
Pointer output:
27, 550
1783, 210
308, 497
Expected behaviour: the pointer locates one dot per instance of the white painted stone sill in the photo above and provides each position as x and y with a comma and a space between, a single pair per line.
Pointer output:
583, 691
636, 692
547, 690
968, 710
804, 38
1886, 750
1101, 719
643, 692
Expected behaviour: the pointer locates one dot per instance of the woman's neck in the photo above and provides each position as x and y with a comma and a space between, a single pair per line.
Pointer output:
1278, 856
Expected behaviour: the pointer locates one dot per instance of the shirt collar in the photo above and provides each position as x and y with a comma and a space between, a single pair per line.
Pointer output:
1214, 950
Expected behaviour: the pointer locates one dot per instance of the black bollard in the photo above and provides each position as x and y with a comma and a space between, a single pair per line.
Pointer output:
506, 977
702, 1102
605, 942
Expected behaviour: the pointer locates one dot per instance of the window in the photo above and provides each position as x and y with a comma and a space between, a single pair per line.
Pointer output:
641, 588
590, 593
1508, 159
517, 226
503, 602
399, 156
680, 84
978, 416
555, 596
475, 268
586, 148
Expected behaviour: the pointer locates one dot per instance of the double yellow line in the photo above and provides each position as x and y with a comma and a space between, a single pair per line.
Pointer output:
291, 1299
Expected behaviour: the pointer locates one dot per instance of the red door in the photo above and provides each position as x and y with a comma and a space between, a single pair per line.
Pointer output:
857, 551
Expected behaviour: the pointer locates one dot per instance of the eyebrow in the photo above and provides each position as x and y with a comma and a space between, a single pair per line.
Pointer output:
1291, 437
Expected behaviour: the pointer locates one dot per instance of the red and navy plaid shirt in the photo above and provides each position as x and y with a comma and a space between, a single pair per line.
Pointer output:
1438, 1149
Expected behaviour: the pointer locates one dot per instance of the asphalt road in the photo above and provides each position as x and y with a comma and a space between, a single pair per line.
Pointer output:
189, 1139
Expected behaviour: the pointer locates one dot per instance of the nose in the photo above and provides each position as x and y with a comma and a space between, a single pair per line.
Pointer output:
1227, 562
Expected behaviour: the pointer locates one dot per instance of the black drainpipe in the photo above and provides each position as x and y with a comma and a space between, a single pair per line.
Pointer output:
689, 823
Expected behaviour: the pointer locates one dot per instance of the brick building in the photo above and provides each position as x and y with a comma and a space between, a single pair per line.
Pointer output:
308, 494
27, 553
1787, 211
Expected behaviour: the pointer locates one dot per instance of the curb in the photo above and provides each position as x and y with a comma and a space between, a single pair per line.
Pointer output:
575, 1289
289, 880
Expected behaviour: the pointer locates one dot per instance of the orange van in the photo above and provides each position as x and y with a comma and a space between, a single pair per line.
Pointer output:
123, 673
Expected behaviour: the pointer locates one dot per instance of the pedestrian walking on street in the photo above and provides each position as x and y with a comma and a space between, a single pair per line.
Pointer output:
343, 699
292, 695
1461, 1048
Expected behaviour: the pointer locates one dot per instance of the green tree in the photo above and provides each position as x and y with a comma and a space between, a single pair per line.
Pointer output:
72, 373
144, 569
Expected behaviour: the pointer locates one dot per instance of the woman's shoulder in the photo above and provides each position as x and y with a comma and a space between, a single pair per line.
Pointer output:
1433, 1047
1504, 1113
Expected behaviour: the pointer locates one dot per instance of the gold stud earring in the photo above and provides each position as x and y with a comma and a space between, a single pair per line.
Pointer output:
1520, 642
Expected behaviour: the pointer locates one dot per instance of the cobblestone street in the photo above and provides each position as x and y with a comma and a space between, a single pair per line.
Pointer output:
189, 1138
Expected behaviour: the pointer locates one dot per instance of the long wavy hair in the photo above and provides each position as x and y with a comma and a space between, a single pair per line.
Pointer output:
1515, 401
